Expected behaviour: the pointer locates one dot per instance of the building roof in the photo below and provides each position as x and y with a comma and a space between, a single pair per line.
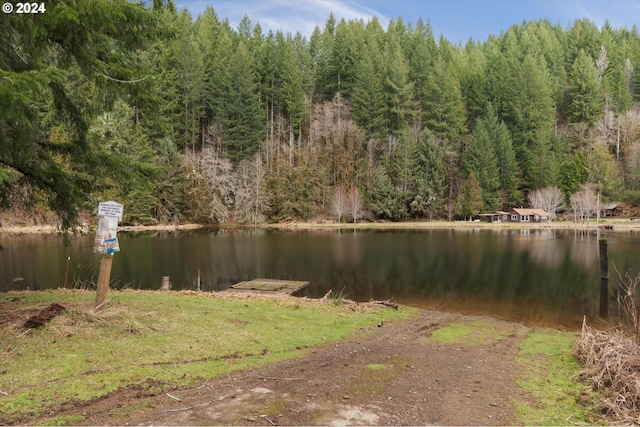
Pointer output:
528, 211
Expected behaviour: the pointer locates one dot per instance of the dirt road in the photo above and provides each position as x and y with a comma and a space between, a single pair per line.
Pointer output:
390, 374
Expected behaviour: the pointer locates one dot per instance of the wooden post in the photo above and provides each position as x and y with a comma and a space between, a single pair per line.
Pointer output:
604, 279
66, 272
103, 280
198, 279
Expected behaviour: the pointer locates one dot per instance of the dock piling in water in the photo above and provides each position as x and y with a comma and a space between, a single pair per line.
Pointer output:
604, 278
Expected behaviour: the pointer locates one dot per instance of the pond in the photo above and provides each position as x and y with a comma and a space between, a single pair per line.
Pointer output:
543, 277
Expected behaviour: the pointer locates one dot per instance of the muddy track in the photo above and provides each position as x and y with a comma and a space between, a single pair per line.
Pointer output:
392, 374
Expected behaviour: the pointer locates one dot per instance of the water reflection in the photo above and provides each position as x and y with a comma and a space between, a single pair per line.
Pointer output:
546, 277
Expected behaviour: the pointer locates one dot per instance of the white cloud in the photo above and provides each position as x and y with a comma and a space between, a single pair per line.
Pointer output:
287, 15
618, 13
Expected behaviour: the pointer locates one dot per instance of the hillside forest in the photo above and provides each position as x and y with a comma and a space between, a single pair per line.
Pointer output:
186, 119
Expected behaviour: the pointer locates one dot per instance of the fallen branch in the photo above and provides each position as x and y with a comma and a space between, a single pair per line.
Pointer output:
386, 303
280, 379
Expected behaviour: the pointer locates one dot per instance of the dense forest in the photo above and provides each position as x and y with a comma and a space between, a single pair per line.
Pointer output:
186, 119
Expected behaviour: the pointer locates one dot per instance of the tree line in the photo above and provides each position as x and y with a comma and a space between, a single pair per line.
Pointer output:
191, 120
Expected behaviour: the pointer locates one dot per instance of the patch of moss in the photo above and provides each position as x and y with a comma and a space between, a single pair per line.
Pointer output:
473, 333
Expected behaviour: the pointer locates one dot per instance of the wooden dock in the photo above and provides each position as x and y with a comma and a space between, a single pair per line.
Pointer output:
269, 286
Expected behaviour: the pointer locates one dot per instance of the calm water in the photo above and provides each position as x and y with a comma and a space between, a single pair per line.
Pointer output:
542, 277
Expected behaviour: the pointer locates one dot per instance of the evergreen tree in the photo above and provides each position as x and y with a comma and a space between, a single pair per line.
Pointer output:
427, 176
208, 29
98, 41
473, 81
585, 102
290, 94
573, 173
116, 133
604, 172
398, 87
369, 106
481, 160
189, 83
344, 56
444, 112
321, 45
421, 52
239, 108
505, 157
383, 199
469, 201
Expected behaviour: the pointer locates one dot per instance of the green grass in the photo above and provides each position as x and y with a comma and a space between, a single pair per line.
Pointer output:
377, 367
153, 341
472, 333
547, 372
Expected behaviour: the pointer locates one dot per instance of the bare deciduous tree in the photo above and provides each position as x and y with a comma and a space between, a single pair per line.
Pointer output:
251, 198
218, 172
354, 202
339, 202
549, 199
584, 202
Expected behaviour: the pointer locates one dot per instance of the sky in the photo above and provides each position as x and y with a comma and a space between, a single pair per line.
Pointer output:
456, 20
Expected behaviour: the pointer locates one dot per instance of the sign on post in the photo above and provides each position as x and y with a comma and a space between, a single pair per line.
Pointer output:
109, 214
110, 208
106, 244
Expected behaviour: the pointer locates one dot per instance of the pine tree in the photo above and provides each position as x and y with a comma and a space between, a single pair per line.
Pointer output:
290, 93
189, 66
369, 107
427, 176
469, 201
444, 112
239, 108
481, 160
383, 199
95, 43
398, 87
586, 103
321, 46
506, 163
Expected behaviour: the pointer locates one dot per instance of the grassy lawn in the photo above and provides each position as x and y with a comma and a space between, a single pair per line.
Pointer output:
153, 341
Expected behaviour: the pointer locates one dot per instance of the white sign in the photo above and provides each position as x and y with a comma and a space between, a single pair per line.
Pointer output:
110, 208
107, 229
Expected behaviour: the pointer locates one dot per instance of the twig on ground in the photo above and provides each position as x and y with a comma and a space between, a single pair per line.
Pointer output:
280, 379
24, 333
266, 418
173, 397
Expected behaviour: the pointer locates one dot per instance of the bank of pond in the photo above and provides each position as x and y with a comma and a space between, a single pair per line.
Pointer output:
547, 277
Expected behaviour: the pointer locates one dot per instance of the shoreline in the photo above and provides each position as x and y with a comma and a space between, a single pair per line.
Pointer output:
618, 224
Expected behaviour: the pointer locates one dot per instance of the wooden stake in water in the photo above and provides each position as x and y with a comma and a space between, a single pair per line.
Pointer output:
604, 279
103, 280
66, 272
